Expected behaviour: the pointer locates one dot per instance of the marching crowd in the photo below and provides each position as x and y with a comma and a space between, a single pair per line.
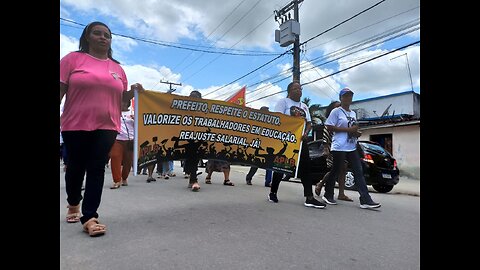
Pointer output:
97, 128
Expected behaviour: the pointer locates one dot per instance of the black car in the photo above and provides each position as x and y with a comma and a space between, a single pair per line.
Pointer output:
379, 166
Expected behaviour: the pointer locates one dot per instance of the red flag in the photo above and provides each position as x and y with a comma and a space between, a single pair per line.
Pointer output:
238, 97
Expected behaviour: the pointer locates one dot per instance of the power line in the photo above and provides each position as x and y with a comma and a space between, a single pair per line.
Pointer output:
235, 24
365, 27
335, 26
345, 69
340, 51
184, 47
213, 60
325, 81
344, 50
361, 63
248, 73
206, 38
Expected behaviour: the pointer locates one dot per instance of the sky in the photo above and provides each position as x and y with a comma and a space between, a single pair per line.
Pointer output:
218, 46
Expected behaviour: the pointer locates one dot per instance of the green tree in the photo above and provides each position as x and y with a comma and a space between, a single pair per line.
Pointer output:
314, 110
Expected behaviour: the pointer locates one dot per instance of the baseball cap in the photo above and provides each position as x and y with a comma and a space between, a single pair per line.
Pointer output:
345, 91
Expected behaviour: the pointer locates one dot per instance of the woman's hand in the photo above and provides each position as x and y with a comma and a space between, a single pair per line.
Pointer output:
138, 87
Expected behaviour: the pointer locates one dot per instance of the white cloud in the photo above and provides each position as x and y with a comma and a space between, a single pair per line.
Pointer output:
67, 44
190, 21
381, 76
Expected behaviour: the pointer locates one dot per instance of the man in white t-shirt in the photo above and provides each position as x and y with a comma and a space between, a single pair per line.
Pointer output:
291, 105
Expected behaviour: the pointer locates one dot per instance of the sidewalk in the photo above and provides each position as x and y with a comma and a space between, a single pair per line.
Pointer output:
408, 186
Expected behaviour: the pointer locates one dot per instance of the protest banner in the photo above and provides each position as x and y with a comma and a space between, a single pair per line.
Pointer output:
172, 127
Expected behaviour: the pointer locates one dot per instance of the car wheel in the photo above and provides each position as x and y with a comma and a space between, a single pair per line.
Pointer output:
349, 179
382, 188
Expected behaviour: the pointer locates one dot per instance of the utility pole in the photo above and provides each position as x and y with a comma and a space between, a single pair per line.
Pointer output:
296, 47
171, 83
281, 14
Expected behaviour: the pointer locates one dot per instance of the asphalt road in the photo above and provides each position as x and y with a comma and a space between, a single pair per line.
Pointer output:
163, 225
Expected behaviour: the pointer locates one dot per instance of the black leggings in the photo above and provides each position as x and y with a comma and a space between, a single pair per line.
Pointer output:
303, 173
87, 153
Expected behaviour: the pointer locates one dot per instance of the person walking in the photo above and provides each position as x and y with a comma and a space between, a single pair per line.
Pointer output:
291, 105
327, 142
253, 169
218, 166
191, 150
121, 154
342, 122
94, 85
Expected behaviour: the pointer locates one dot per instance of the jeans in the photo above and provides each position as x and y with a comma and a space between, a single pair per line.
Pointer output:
253, 170
353, 159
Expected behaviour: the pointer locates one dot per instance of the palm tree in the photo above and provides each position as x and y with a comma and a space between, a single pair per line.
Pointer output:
313, 109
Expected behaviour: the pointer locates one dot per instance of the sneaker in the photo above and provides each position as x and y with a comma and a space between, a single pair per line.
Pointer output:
369, 204
272, 197
151, 180
314, 203
329, 201
166, 177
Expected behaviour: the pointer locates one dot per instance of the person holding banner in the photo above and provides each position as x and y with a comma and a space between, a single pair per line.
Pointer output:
291, 105
94, 85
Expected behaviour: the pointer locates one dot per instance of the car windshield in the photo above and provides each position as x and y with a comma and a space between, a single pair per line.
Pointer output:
374, 148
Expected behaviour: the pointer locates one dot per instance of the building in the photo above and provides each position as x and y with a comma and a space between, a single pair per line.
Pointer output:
394, 122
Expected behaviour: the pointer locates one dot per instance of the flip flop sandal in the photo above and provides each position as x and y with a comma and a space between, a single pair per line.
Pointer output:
94, 228
195, 187
115, 185
75, 216
228, 183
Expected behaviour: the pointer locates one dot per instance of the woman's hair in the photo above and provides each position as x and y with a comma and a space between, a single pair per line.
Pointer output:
196, 94
84, 46
330, 107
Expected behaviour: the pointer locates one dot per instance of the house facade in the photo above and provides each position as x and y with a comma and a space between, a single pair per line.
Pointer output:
393, 121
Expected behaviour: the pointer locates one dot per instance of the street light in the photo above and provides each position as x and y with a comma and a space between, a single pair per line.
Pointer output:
408, 65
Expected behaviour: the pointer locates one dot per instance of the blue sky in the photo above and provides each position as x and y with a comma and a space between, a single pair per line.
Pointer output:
160, 40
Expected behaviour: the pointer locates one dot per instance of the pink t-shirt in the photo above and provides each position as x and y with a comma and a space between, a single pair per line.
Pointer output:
94, 96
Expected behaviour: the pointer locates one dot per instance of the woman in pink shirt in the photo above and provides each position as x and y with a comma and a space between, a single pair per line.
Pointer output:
94, 85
